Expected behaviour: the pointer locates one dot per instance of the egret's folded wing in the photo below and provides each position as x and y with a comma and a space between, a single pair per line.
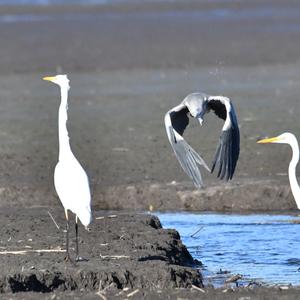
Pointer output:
228, 150
188, 158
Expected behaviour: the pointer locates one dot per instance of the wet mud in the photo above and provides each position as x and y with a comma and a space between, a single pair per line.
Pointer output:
128, 65
123, 251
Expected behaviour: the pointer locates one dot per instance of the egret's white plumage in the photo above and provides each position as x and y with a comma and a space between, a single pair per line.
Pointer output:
226, 156
290, 139
70, 180
72, 187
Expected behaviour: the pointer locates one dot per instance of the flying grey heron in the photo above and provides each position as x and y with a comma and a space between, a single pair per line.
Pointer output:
227, 153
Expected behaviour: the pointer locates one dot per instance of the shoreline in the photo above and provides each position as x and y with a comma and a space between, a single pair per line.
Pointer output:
130, 255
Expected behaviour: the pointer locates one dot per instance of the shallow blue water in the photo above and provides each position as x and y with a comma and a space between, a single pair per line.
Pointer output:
265, 248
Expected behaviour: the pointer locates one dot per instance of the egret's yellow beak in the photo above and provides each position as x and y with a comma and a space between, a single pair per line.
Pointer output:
270, 140
49, 78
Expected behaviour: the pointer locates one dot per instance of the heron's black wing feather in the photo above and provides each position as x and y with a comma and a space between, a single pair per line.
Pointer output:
176, 122
228, 150
180, 120
218, 107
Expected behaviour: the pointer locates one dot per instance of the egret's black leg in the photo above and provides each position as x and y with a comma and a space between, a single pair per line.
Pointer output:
76, 231
67, 258
78, 258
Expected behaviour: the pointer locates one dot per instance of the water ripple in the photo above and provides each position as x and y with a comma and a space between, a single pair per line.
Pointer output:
264, 247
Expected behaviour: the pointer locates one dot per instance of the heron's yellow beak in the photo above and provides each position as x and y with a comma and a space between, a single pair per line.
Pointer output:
49, 78
267, 141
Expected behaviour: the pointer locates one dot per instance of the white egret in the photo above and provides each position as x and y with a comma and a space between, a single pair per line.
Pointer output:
70, 180
227, 154
290, 139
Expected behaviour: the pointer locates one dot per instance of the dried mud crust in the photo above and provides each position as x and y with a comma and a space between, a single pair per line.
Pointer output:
124, 251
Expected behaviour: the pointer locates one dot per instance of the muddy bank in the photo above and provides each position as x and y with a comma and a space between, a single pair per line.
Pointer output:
124, 251
130, 256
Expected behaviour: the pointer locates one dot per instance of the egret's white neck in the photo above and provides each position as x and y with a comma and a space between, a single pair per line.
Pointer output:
292, 171
64, 144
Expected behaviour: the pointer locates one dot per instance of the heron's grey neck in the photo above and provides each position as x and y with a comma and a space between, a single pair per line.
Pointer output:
63, 136
292, 172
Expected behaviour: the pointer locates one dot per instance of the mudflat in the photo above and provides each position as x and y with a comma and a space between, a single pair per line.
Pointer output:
128, 65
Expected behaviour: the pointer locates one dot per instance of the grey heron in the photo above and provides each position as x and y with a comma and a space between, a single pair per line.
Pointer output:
197, 105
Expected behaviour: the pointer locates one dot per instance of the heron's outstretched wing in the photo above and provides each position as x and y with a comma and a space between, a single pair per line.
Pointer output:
176, 121
228, 150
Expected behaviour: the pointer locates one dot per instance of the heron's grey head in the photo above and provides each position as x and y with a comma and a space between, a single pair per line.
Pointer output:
197, 105
61, 80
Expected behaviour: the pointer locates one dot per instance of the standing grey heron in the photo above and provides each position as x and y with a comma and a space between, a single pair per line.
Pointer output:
290, 139
227, 153
70, 180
